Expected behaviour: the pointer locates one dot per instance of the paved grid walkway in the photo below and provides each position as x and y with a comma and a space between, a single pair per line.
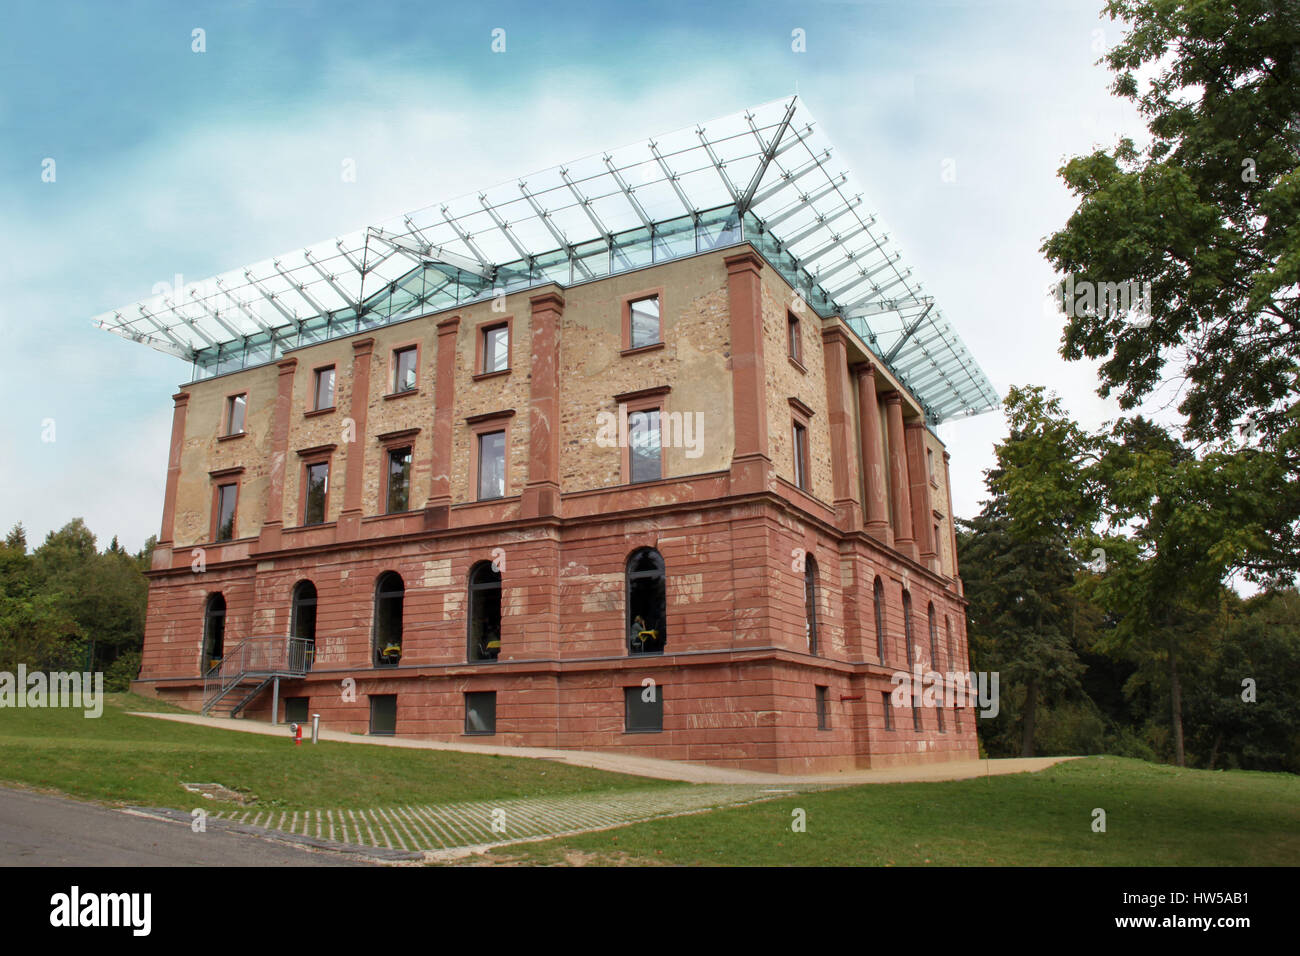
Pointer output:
426, 831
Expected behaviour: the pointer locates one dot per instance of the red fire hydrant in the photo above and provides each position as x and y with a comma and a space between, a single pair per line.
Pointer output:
297, 735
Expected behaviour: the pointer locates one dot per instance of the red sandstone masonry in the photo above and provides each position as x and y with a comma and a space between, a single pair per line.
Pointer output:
737, 677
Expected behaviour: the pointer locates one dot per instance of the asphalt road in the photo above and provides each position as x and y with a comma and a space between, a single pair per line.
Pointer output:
41, 830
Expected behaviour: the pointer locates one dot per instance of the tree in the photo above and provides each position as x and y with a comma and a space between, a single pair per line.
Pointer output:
1208, 211
1017, 560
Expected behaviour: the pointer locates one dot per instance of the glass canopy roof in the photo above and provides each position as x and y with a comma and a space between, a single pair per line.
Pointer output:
761, 176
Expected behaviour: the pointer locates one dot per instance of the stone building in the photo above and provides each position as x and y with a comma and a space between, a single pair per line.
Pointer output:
634, 454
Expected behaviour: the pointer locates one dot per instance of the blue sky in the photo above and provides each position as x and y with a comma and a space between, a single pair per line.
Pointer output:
173, 162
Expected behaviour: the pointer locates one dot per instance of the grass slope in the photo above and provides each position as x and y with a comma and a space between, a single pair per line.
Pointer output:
1155, 816
119, 758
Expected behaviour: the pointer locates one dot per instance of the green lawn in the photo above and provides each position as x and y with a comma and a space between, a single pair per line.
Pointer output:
119, 758
1155, 816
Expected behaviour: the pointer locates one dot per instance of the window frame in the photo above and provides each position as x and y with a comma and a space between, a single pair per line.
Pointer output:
481, 332
907, 628
794, 340
480, 570
210, 613
316, 406
480, 694
888, 700
304, 489
227, 417
639, 402
389, 451
381, 593
225, 479
801, 416
878, 600
628, 301
488, 424
660, 572
631, 696
394, 365
810, 603
821, 695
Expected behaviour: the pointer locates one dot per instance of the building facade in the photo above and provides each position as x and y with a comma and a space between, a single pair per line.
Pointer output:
674, 450
667, 492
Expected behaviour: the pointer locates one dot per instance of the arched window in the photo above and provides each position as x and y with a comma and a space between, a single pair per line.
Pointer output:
214, 630
484, 612
647, 601
302, 619
934, 638
878, 598
907, 627
947, 634
810, 601
390, 593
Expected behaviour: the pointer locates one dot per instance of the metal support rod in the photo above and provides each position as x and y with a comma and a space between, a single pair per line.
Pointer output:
315, 727
275, 703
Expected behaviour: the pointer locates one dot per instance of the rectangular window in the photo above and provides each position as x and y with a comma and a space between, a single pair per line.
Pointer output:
318, 486
916, 716
236, 405
296, 710
792, 337
496, 349
383, 715
481, 712
644, 453
823, 717
324, 388
887, 702
644, 707
404, 369
801, 456
644, 319
491, 465
226, 495
939, 714
399, 480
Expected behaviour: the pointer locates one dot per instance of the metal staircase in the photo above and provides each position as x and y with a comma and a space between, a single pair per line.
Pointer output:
249, 668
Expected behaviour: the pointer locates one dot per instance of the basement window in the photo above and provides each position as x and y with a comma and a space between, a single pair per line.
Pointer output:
823, 716
887, 702
383, 715
481, 713
644, 707
296, 709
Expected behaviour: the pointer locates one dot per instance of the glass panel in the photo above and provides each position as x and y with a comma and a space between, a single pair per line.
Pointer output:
718, 227
481, 712
632, 250
553, 267
315, 329
399, 479
674, 239
492, 465
261, 349
318, 476
643, 445
594, 257
645, 321
226, 512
